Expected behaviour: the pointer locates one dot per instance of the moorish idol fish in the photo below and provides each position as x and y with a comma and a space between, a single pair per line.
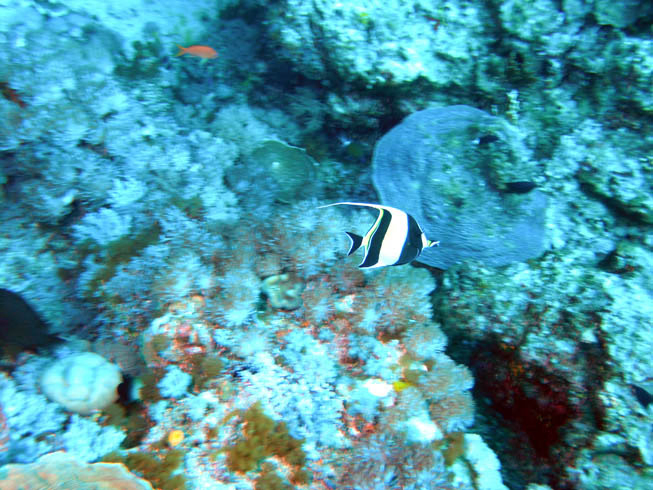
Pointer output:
395, 238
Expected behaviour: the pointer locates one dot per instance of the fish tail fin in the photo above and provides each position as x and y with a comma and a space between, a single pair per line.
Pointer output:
182, 50
356, 241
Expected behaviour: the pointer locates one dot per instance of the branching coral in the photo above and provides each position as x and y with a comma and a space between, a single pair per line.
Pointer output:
446, 386
310, 375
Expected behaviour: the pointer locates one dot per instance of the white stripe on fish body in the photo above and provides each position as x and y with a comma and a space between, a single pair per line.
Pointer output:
393, 241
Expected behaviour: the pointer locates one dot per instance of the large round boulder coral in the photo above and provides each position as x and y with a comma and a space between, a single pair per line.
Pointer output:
467, 178
82, 382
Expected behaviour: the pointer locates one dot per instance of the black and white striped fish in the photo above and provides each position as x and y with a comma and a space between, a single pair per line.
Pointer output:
395, 238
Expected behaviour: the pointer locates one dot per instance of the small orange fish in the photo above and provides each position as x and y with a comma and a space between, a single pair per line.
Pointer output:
205, 52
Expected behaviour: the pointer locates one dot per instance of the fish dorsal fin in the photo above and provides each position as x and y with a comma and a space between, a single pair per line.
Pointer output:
356, 241
364, 204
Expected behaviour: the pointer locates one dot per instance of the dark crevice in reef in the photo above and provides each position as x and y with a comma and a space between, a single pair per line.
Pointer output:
531, 404
534, 419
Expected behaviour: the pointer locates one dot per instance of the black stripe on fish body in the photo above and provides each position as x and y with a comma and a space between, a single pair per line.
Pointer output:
408, 254
376, 236
413, 244
643, 396
356, 241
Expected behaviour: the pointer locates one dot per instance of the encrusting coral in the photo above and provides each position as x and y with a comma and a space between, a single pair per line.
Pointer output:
59, 470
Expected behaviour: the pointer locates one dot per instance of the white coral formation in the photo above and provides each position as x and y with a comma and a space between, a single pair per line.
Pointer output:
483, 463
82, 382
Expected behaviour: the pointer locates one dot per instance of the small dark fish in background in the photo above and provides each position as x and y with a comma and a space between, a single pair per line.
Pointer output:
20, 326
519, 187
643, 396
487, 139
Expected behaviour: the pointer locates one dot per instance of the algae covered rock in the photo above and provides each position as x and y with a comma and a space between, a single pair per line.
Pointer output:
378, 43
467, 179
614, 166
621, 14
624, 184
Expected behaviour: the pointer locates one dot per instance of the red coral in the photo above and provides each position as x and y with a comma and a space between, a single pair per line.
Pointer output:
11, 95
4, 432
535, 401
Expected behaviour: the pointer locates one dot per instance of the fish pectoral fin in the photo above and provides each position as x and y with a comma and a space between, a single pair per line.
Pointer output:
356, 241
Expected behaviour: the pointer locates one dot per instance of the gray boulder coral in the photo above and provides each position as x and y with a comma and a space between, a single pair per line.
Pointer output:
456, 170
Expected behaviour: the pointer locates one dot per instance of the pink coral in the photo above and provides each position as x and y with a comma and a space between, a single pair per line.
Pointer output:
59, 470
4, 432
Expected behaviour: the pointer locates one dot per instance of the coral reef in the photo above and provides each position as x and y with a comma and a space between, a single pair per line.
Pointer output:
438, 44
161, 211
564, 339
313, 390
